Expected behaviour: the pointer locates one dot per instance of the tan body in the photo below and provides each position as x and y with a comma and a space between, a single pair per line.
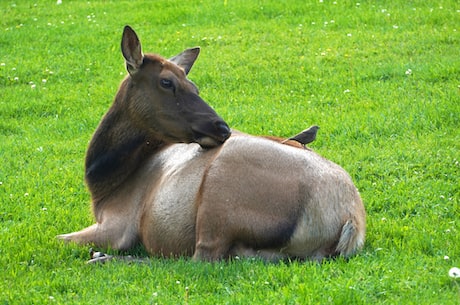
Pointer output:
231, 195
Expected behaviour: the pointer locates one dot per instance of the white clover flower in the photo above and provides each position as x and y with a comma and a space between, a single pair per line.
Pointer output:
408, 72
454, 272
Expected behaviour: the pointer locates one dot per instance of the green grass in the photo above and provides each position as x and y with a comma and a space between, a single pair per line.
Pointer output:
380, 78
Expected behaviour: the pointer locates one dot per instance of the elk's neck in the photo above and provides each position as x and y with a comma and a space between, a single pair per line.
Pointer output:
116, 151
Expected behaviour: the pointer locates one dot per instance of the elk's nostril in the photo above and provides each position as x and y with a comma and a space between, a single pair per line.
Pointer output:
223, 128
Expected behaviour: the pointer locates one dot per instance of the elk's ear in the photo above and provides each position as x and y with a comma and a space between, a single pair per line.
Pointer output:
131, 49
186, 59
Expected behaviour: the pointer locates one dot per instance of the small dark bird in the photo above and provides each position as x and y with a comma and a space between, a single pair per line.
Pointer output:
306, 136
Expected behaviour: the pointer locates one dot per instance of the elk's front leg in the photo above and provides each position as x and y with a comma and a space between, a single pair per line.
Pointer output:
104, 236
88, 235
94, 234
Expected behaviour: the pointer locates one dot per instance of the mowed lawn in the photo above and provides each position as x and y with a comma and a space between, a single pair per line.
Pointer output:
381, 79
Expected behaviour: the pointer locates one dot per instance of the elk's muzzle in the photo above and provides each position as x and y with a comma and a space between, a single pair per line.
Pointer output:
211, 134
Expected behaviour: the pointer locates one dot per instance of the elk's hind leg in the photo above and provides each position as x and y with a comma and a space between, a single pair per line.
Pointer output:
211, 248
215, 248
230, 229
269, 255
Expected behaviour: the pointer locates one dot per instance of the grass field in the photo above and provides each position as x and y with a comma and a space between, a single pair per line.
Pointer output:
381, 79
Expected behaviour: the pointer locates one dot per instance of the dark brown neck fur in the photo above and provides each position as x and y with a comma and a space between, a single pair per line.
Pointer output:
117, 149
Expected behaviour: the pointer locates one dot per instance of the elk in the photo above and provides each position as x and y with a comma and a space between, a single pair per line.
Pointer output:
165, 171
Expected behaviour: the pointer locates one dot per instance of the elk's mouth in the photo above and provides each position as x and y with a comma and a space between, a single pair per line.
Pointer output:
210, 138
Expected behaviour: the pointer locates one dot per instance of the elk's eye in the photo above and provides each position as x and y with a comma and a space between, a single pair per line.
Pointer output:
166, 83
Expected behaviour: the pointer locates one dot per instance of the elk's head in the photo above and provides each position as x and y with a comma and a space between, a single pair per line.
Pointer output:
164, 102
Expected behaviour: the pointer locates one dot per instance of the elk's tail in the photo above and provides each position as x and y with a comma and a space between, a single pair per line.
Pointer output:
351, 239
